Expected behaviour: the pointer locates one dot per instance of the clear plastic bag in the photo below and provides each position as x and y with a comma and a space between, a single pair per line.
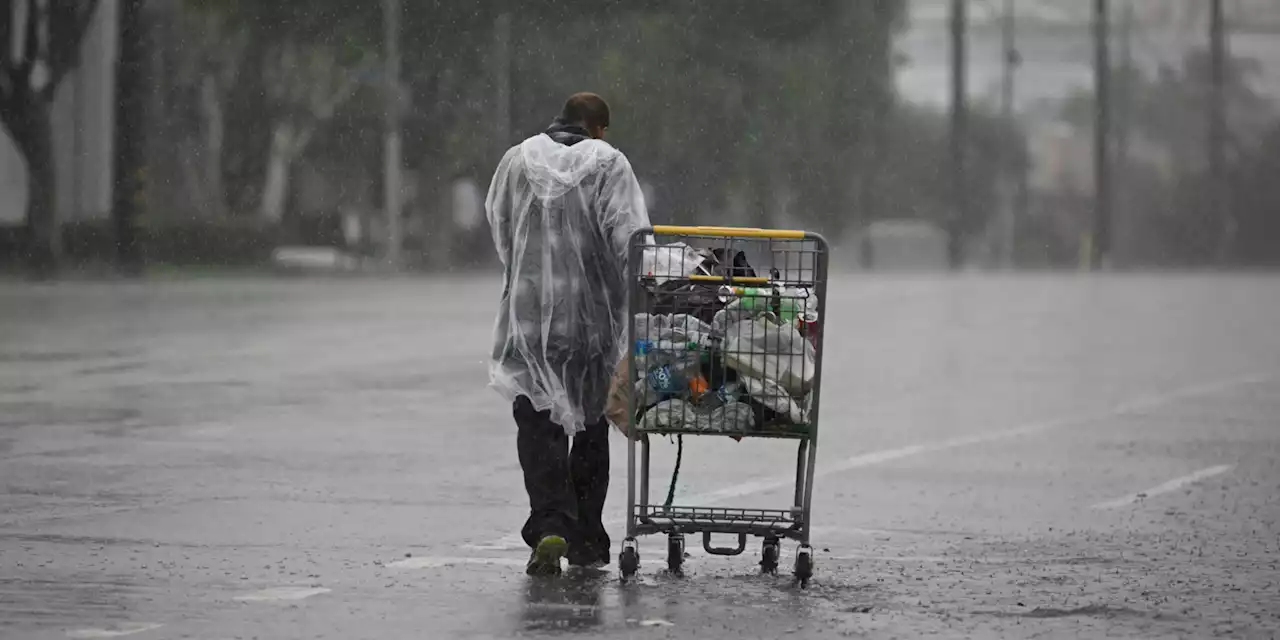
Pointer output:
666, 262
676, 414
773, 397
764, 349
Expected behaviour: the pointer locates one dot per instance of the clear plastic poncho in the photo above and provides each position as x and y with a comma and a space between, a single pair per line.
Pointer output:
561, 218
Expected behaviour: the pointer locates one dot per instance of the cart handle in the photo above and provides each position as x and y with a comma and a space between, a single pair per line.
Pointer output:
730, 232
724, 551
744, 280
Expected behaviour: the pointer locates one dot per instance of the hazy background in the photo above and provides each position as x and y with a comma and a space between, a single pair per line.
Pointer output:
245, 128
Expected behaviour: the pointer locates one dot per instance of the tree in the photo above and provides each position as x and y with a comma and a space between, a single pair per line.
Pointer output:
1257, 200
312, 57
733, 111
305, 86
1169, 218
39, 45
756, 108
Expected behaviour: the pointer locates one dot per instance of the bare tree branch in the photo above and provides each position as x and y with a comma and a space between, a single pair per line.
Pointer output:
69, 22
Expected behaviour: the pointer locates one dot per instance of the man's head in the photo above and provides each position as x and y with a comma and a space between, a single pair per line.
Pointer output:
588, 110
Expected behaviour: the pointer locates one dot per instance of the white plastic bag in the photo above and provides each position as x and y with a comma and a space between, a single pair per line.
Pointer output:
671, 261
774, 397
761, 348
676, 414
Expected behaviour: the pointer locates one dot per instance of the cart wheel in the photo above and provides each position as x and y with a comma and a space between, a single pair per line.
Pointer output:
804, 565
629, 559
675, 554
769, 556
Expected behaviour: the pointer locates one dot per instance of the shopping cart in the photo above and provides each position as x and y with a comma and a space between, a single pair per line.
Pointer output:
724, 340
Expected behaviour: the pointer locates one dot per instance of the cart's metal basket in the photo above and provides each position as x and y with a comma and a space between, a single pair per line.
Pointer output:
724, 339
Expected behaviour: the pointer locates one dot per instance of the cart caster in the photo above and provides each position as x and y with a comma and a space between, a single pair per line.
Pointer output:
804, 566
675, 554
769, 555
629, 559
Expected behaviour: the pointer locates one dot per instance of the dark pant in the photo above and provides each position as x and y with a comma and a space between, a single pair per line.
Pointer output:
567, 488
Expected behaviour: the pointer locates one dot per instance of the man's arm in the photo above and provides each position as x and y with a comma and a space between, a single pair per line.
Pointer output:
497, 207
622, 209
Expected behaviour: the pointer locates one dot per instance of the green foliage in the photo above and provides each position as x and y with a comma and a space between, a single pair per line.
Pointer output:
342, 24
720, 105
1166, 190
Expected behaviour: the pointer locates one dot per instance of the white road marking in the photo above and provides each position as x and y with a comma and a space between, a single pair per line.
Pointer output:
1172, 485
763, 485
432, 562
125, 630
276, 594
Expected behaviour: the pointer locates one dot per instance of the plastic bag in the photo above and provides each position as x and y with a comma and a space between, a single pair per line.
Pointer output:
700, 299
671, 261
682, 327
666, 339
670, 345
676, 414
618, 402
761, 348
773, 397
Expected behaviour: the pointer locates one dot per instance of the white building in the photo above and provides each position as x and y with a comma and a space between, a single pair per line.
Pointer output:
83, 131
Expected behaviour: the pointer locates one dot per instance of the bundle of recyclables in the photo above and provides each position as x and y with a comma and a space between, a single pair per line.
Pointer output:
710, 357
716, 349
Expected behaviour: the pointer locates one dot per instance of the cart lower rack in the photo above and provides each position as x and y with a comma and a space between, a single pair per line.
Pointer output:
724, 340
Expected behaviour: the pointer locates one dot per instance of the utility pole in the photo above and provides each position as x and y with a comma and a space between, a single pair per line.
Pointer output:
392, 179
959, 215
130, 129
1011, 60
1100, 243
1221, 191
1124, 116
877, 84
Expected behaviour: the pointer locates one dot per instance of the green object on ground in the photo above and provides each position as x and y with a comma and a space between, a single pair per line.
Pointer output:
545, 560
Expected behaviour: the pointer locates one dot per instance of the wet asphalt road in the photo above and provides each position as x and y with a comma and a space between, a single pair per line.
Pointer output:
1000, 457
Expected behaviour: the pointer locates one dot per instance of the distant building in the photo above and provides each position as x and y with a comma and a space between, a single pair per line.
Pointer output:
83, 129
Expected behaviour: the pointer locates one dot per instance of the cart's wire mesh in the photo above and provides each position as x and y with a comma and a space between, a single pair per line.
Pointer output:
720, 515
726, 336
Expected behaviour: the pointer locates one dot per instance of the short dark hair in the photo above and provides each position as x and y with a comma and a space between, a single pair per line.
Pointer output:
587, 109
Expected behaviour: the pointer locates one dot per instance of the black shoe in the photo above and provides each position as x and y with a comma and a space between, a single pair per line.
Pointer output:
589, 559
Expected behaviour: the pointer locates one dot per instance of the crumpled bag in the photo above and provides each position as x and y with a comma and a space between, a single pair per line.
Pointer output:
676, 414
764, 349
666, 338
773, 397
673, 261
701, 299
680, 326
618, 403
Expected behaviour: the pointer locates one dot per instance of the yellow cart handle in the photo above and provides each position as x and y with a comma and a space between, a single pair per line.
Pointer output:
730, 232
749, 281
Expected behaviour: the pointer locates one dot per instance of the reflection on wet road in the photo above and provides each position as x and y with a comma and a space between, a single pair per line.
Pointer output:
1000, 457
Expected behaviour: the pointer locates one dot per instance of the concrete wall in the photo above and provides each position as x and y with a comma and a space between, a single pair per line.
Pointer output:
83, 127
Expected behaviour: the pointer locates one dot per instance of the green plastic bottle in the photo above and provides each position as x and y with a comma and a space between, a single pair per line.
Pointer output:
759, 299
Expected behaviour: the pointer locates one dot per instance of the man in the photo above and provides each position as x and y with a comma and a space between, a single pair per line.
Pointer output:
562, 207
